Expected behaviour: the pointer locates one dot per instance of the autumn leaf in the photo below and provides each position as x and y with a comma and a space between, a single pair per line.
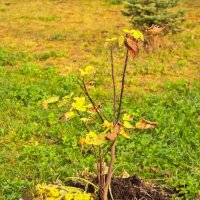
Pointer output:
124, 133
69, 115
121, 41
127, 124
94, 139
81, 141
89, 70
111, 39
107, 124
135, 33
91, 110
144, 124
113, 132
132, 45
79, 104
127, 117
49, 101
68, 96
85, 119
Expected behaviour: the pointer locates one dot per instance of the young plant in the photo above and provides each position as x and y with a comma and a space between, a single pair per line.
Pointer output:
103, 139
145, 13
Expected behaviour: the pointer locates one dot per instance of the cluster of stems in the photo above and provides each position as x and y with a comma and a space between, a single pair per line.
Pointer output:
104, 180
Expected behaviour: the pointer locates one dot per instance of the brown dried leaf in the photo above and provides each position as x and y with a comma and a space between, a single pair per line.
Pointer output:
144, 124
92, 111
113, 133
132, 45
167, 173
154, 170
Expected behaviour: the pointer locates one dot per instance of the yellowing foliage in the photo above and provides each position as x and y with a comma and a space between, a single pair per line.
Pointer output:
49, 101
127, 124
135, 33
69, 115
89, 70
79, 104
59, 192
127, 117
144, 124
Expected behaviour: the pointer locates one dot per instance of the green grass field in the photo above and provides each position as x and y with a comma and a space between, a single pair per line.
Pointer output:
43, 44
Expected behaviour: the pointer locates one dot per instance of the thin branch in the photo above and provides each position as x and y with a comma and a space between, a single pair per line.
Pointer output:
122, 86
114, 86
109, 175
91, 100
86, 92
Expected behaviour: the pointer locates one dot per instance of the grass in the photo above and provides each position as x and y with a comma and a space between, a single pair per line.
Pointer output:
40, 50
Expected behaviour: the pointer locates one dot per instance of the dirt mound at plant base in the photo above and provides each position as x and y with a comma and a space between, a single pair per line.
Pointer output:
134, 188
131, 188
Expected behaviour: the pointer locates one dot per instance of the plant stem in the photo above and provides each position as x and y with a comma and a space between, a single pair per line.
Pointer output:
109, 175
101, 172
84, 88
114, 86
122, 86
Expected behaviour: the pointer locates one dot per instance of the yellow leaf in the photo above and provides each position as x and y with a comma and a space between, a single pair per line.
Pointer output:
62, 103
107, 124
81, 141
83, 73
127, 124
111, 39
127, 117
135, 33
79, 104
89, 70
54, 192
48, 101
69, 115
144, 124
68, 96
93, 139
51, 198
121, 41
123, 133
69, 196
82, 196
84, 119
